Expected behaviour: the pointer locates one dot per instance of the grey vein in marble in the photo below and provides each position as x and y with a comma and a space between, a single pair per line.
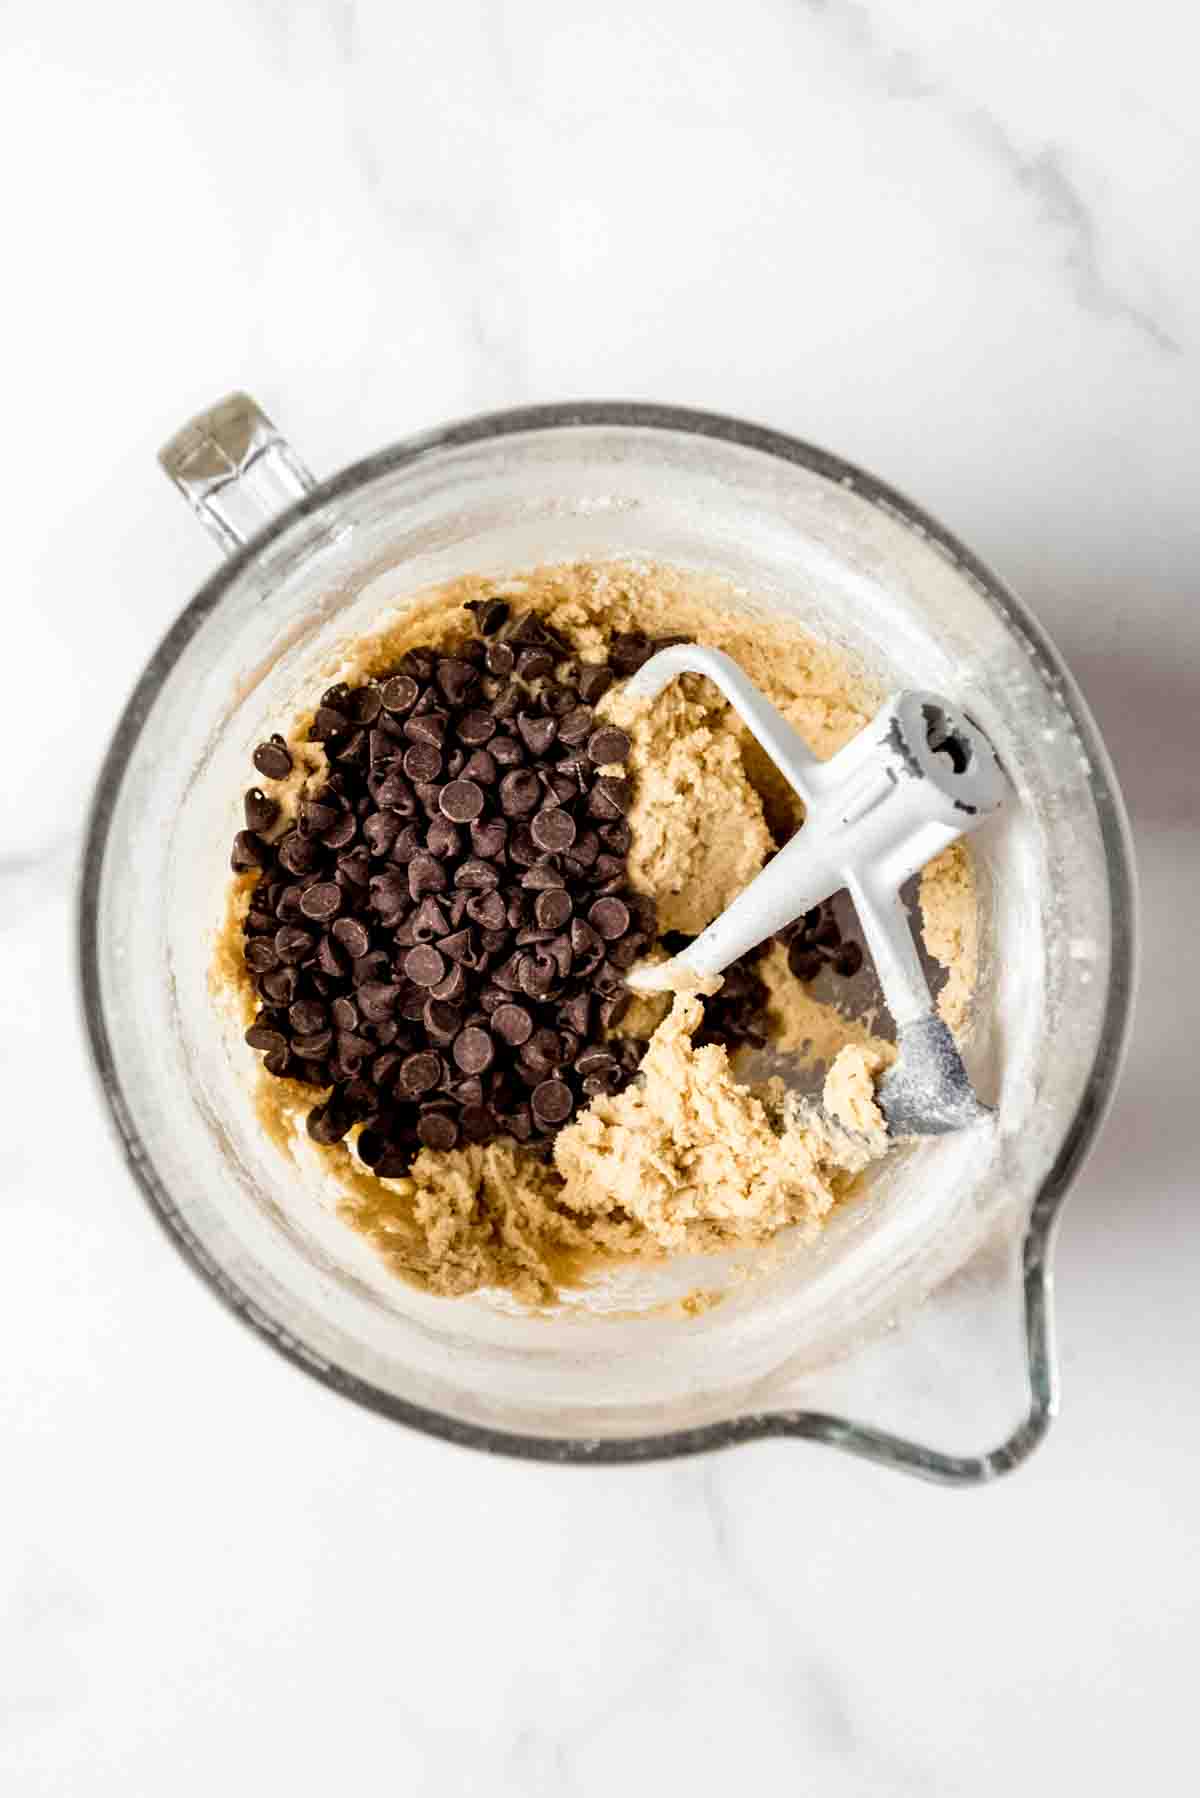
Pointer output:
1042, 175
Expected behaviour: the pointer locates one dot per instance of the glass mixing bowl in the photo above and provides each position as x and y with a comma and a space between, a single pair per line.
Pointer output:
916, 1330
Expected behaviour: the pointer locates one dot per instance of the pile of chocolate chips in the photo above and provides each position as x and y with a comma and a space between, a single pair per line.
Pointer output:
441, 938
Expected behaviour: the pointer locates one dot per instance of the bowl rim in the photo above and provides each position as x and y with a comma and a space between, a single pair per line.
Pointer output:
870, 1443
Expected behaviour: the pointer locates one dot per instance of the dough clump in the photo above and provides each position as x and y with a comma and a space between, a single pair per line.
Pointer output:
699, 834
698, 1160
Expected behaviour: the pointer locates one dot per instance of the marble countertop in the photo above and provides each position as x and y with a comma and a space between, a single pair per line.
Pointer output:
959, 246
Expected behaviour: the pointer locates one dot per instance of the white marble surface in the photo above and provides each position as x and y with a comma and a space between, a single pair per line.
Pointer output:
957, 244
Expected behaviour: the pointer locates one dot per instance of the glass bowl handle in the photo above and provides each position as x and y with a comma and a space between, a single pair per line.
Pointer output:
235, 469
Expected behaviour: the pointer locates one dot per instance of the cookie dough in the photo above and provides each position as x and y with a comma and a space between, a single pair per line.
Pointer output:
698, 1161
699, 834
690, 1158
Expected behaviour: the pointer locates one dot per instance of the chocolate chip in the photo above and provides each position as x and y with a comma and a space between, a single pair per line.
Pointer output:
419, 1073
488, 910
377, 1000
552, 909
559, 950
328, 724
412, 1001
422, 762
458, 947
848, 960
537, 973
617, 837
261, 955
520, 792
260, 811
380, 830
585, 942
608, 745
249, 851
461, 801
424, 965
344, 1014
321, 901
393, 793
512, 1023
452, 986
352, 936
389, 896
474, 1050
455, 678
297, 854
328, 1123
314, 819
429, 921
307, 1016
552, 1103
437, 1130
363, 703
490, 615
628, 651
534, 664
611, 797
489, 836
427, 728
543, 1051
803, 962
542, 877
480, 766
553, 830
313, 1048
506, 752
500, 660
509, 701
399, 695
407, 844
622, 955
352, 751
613, 1009
537, 734
442, 1021
294, 945
575, 726
558, 701
476, 1123
260, 1036
443, 839
274, 759
331, 958
393, 1163
475, 728
609, 918
519, 1123
341, 832
476, 873
426, 874
594, 681
371, 966
576, 1014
